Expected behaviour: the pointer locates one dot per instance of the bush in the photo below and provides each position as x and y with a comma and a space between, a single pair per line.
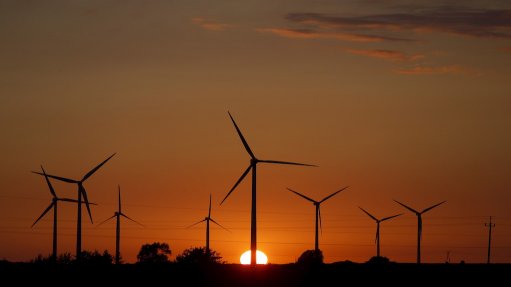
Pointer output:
378, 260
198, 255
96, 258
311, 257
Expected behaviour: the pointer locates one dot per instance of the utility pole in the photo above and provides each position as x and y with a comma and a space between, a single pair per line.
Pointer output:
490, 225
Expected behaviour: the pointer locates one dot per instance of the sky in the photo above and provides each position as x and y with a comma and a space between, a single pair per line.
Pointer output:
397, 100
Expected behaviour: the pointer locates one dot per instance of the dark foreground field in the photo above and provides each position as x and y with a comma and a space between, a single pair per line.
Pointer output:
342, 274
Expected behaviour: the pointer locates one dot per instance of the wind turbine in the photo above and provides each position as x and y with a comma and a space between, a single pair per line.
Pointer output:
208, 219
81, 192
419, 224
378, 221
317, 204
118, 215
53, 205
253, 166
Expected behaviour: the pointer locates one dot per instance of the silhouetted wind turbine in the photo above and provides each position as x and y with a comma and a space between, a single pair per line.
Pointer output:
378, 221
252, 166
53, 205
118, 215
317, 204
419, 224
81, 192
208, 219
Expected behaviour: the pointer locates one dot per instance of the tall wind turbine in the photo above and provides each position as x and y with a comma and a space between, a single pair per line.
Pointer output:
208, 219
81, 192
118, 215
317, 204
252, 166
378, 221
419, 224
53, 205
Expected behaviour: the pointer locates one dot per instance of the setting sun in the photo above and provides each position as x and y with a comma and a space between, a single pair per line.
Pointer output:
261, 258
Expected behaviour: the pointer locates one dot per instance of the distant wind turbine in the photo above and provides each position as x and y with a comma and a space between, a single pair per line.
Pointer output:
378, 221
53, 205
118, 215
208, 219
81, 192
252, 166
317, 204
419, 224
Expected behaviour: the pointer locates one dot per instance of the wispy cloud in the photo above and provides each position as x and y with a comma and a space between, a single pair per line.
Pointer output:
506, 49
424, 70
312, 34
211, 25
389, 55
483, 23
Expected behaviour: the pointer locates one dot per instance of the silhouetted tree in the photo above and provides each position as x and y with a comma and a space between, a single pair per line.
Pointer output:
311, 257
96, 258
154, 253
198, 255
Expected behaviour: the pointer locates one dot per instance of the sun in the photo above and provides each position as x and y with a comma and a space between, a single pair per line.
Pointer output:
261, 258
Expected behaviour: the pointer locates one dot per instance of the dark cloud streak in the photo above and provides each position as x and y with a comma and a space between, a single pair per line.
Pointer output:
483, 23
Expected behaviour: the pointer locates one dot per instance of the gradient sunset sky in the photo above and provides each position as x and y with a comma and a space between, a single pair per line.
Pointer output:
399, 101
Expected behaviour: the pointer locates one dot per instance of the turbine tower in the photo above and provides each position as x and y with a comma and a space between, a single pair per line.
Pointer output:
81, 192
253, 166
118, 214
53, 205
378, 221
419, 224
208, 219
317, 204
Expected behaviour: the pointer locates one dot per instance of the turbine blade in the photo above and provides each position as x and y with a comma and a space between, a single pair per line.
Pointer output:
125, 216
390, 217
218, 224
43, 214
196, 223
242, 137
237, 182
119, 188
74, 200
57, 177
209, 212
407, 207
92, 171
429, 208
333, 194
376, 236
287, 162
370, 215
106, 220
52, 191
299, 194
84, 194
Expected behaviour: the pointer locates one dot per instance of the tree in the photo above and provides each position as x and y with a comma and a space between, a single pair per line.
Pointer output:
198, 255
311, 257
154, 253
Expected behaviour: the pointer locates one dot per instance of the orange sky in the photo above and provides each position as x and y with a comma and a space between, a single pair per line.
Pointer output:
398, 101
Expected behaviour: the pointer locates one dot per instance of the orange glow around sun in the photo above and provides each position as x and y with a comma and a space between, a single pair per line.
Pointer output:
261, 258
